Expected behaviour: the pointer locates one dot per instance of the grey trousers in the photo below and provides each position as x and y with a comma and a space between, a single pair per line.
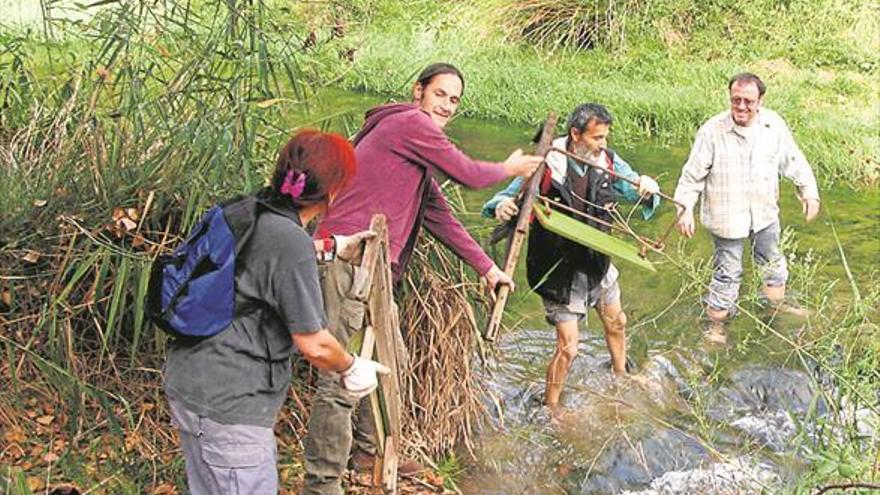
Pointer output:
225, 459
727, 277
329, 440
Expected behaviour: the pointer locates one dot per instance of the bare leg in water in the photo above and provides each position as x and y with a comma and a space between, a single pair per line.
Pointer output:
614, 322
560, 364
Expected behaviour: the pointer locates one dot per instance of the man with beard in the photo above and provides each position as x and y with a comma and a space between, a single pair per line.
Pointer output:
569, 277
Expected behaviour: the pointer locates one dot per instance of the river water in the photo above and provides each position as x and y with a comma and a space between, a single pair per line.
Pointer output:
694, 417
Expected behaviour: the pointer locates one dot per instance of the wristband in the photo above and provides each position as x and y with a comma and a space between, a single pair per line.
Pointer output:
328, 249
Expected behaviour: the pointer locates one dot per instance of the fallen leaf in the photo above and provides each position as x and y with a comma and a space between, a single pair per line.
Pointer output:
46, 420
433, 478
165, 489
39, 203
14, 435
268, 103
36, 483
128, 224
50, 457
6, 297
131, 441
31, 256
125, 219
138, 241
117, 214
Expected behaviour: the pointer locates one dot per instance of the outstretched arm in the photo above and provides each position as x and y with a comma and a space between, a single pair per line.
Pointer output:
431, 148
443, 225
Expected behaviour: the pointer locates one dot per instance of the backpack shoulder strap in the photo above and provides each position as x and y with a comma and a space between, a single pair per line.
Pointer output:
241, 214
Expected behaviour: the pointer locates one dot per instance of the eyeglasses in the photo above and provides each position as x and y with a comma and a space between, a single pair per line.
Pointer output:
736, 100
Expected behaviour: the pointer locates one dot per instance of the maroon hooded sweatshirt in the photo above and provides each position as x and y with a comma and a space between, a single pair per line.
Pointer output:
398, 151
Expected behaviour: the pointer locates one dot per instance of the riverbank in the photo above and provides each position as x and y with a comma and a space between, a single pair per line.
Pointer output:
662, 74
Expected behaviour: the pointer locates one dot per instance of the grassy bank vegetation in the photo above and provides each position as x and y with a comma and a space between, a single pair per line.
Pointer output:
661, 66
115, 133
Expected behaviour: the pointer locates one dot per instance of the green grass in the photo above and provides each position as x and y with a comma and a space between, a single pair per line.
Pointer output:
668, 76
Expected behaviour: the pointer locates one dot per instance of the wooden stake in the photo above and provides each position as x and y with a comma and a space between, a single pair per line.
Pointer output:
373, 284
522, 227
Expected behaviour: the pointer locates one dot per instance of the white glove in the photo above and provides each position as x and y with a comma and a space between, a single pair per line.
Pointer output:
647, 186
361, 377
506, 209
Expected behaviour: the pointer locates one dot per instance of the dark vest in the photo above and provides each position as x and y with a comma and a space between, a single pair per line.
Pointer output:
552, 260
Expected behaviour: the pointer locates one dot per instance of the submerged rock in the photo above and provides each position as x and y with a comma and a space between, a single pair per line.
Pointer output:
728, 478
772, 429
754, 390
634, 457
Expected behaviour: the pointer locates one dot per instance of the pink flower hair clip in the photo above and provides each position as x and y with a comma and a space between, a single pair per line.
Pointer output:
294, 184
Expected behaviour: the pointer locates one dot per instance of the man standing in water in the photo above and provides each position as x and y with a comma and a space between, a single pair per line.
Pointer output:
735, 165
399, 149
571, 278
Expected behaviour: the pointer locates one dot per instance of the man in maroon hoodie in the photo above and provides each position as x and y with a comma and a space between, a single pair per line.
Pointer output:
399, 149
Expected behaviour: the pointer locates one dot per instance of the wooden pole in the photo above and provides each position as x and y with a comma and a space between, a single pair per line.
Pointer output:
614, 174
522, 227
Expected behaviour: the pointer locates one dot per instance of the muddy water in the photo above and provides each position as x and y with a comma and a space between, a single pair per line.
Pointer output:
694, 418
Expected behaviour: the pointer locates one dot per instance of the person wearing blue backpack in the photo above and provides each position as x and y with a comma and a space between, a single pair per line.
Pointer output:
226, 386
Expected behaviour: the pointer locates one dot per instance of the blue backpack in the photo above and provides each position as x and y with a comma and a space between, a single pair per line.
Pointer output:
191, 293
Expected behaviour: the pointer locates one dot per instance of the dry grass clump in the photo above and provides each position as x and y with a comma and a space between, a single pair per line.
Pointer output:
578, 24
441, 393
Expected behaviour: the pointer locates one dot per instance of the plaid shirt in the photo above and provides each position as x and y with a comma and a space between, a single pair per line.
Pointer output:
737, 171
